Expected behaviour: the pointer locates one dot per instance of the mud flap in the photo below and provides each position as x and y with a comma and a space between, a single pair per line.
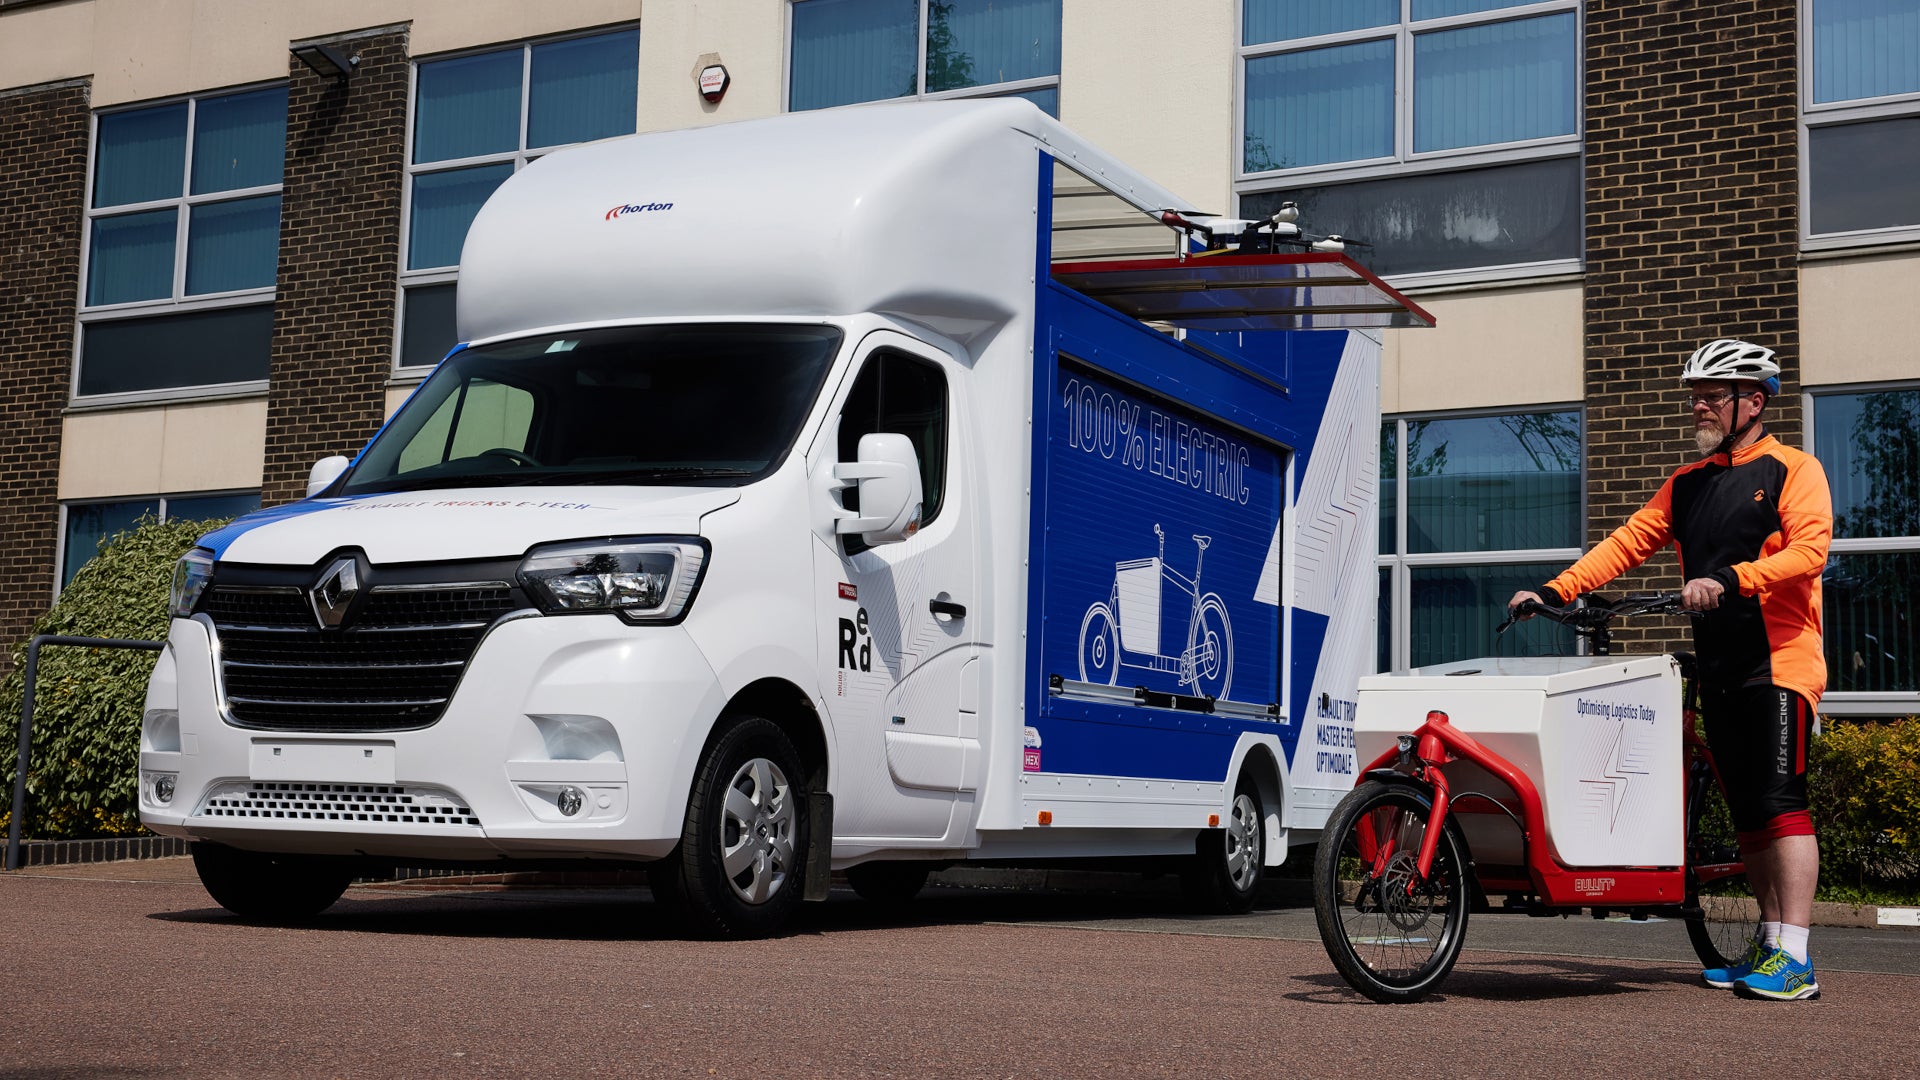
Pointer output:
819, 845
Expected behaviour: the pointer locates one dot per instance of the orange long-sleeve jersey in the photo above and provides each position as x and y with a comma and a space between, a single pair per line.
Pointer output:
1758, 522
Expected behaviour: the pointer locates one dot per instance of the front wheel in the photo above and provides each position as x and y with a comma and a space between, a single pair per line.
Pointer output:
738, 869
1224, 875
1099, 647
1393, 935
271, 888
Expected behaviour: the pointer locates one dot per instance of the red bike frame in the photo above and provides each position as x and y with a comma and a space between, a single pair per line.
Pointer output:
1437, 742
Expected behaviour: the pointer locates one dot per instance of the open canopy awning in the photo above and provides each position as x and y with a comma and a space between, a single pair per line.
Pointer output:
1312, 290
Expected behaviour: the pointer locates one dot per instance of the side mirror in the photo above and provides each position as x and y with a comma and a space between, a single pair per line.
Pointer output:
325, 472
888, 477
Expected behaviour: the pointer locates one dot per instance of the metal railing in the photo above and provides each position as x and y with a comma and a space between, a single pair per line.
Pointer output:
26, 722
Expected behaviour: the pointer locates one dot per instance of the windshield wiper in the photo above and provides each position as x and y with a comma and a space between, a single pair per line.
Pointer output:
672, 473
431, 483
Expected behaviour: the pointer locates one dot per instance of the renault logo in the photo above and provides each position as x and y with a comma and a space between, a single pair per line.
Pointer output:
334, 593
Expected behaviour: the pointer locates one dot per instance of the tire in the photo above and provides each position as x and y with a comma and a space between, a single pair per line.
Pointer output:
1390, 945
1212, 635
1719, 934
1099, 647
270, 888
739, 867
889, 884
1228, 865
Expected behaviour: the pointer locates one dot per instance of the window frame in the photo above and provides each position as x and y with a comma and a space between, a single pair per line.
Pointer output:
520, 158
989, 90
1861, 702
1814, 115
1400, 563
855, 543
178, 300
60, 534
1405, 161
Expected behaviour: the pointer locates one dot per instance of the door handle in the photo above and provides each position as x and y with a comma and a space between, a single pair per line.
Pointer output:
947, 607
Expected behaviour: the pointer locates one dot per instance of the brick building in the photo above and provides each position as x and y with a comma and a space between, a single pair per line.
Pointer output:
222, 264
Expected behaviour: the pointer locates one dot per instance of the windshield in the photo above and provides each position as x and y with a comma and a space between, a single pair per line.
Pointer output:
681, 404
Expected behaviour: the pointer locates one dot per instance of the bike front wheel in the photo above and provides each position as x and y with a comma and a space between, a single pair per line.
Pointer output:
1392, 935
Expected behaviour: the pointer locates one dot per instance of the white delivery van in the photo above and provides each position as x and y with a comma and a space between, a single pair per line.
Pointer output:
869, 490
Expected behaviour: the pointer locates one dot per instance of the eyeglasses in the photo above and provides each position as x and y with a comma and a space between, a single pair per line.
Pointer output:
1714, 399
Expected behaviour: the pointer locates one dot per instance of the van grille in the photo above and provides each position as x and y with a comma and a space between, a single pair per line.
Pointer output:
393, 667
381, 804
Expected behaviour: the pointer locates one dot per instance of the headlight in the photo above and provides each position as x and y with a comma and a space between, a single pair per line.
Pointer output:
641, 581
190, 577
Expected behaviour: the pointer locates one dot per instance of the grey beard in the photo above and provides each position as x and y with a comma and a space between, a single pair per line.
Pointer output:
1708, 439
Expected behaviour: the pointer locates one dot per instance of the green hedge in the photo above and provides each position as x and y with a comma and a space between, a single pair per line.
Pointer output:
1863, 784
83, 776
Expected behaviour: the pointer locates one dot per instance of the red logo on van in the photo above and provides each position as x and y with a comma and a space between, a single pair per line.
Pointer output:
639, 208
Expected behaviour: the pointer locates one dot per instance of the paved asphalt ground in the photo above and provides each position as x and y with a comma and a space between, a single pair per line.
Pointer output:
128, 969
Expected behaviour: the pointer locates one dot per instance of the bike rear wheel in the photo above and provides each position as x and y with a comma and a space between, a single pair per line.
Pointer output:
1393, 937
1719, 934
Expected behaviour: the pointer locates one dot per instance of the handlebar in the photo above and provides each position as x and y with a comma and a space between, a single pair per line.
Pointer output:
1593, 617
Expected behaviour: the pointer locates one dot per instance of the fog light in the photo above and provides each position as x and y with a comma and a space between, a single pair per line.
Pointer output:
571, 800
163, 789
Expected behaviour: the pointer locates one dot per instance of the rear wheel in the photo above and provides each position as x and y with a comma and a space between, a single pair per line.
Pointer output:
1229, 863
1716, 879
1725, 925
888, 883
256, 885
738, 869
1393, 935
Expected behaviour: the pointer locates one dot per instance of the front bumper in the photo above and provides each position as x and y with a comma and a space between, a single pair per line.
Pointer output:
568, 737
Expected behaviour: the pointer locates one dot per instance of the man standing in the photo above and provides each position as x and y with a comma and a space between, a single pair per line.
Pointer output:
1751, 523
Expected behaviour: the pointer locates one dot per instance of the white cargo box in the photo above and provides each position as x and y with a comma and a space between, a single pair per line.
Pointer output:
1600, 737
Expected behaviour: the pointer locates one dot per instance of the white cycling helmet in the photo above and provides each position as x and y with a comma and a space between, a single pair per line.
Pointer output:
1733, 361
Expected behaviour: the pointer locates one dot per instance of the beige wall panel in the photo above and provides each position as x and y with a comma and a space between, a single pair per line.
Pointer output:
447, 25
46, 44
677, 39
209, 446
138, 50
111, 453
1519, 346
396, 397
1154, 87
1846, 308
214, 446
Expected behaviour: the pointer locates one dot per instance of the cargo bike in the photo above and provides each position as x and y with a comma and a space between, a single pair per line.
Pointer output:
1554, 784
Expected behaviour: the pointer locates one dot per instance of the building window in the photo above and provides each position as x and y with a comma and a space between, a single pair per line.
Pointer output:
92, 525
1473, 509
1446, 133
1869, 443
477, 119
1860, 121
847, 51
182, 244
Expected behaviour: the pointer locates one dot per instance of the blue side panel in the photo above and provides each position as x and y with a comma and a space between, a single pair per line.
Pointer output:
1131, 430
1309, 633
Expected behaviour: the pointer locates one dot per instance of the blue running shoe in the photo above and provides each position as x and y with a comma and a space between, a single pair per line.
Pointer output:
1724, 978
1780, 978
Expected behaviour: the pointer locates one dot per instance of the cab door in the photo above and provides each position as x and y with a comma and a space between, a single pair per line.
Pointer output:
896, 620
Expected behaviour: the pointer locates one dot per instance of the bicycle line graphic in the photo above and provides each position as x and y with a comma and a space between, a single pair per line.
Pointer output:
1123, 631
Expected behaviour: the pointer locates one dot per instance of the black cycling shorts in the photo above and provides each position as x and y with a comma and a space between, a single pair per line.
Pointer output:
1759, 735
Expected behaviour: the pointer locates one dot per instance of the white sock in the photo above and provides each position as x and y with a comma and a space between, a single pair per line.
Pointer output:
1770, 935
1793, 942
